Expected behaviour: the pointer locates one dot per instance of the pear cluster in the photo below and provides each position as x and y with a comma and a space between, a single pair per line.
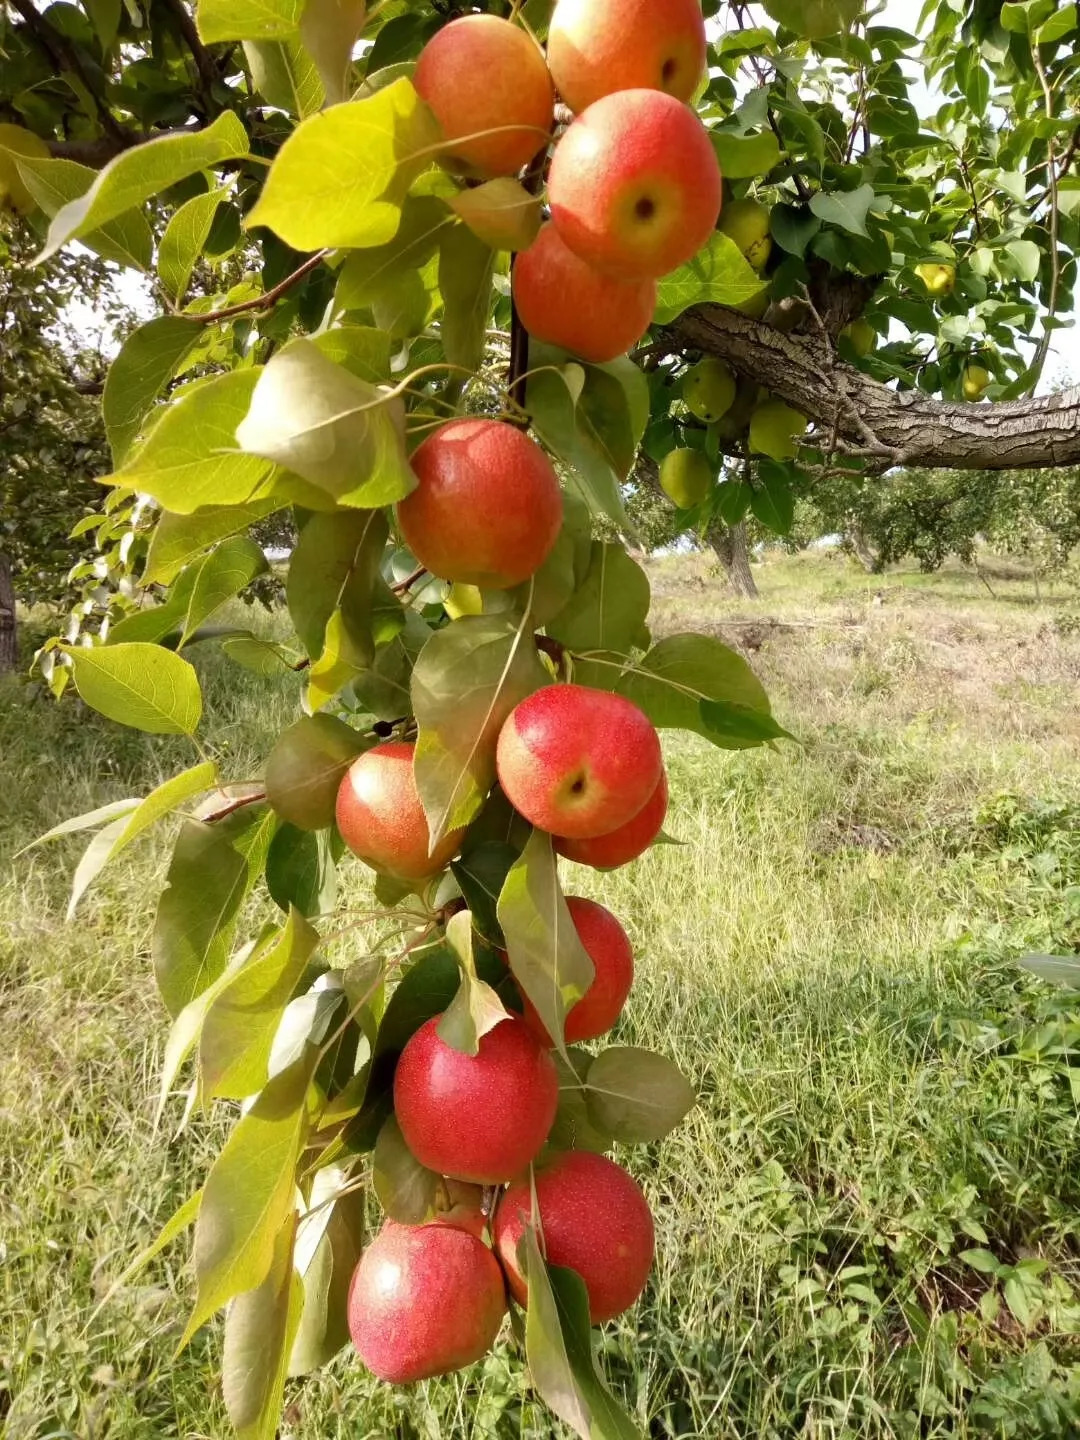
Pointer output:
633, 184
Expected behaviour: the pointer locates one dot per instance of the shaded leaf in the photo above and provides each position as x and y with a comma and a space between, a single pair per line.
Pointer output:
545, 1348
814, 19
476, 1008
743, 156
143, 686
369, 273
678, 674
844, 208
636, 1096
179, 539
608, 1419
500, 212
407, 1191
329, 29
333, 568
260, 1328
328, 1246
147, 360
183, 242
300, 870
553, 395
466, 265
229, 568
1060, 969
610, 607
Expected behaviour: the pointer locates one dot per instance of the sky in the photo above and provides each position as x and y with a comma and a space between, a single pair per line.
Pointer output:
902, 14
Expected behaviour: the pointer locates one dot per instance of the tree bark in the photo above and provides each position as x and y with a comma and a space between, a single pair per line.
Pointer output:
862, 549
9, 640
729, 545
858, 416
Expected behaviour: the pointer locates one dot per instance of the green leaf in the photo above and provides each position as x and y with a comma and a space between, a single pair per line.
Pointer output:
636, 1096
182, 1217
261, 657
793, 227
546, 955
814, 19
327, 425
772, 499
360, 349
744, 156
328, 1246
206, 882
247, 19
93, 861
114, 810
143, 686
105, 18
608, 1420
609, 609
164, 799
179, 539
466, 266
983, 1261
248, 1194
719, 274
228, 569
846, 209
183, 241
369, 273
500, 212
285, 75
467, 679
136, 175
731, 501
573, 1128
381, 144
300, 869
239, 1029
147, 361
476, 1008
155, 622
260, 1329
329, 30
742, 725
127, 240
407, 1191
190, 458
333, 573
682, 671
481, 873
1063, 22
545, 1348
1060, 969
1022, 259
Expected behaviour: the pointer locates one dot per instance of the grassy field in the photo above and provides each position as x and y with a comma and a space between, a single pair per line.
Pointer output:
869, 1227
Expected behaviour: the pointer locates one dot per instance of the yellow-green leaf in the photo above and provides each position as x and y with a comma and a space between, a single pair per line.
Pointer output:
139, 685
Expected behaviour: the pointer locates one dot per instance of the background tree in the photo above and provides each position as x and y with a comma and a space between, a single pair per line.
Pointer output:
353, 298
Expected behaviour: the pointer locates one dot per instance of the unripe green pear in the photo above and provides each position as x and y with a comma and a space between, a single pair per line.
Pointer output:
756, 306
938, 277
747, 223
861, 335
974, 381
306, 767
464, 600
685, 477
775, 428
708, 389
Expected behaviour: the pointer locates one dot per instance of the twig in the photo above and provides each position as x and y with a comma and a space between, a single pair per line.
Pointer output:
233, 805
519, 336
263, 302
404, 586
762, 79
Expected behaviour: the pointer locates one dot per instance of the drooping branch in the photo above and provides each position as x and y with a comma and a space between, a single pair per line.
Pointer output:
884, 426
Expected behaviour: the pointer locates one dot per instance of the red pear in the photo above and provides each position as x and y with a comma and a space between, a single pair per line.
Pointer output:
578, 762
618, 847
609, 949
479, 1117
593, 1219
424, 1300
381, 818
597, 46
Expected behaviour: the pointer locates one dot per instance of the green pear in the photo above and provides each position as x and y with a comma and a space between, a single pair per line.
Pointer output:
775, 429
708, 389
861, 335
306, 767
938, 277
686, 477
974, 380
464, 600
747, 223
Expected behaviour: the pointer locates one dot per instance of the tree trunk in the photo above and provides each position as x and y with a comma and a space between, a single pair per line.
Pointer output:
729, 544
9, 647
863, 550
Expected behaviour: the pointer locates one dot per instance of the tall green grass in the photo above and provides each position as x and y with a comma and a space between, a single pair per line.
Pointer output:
829, 953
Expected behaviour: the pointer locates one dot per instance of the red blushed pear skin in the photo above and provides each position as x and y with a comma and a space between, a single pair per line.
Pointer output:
608, 948
593, 1218
578, 762
563, 301
479, 1117
488, 84
424, 1300
634, 185
488, 507
381, 819
619, 847
597, 46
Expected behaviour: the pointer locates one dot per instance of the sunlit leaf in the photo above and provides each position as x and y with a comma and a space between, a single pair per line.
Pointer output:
147, 360
184, 240
407, 1191
476, 1008
128, 240
139, 685
719, 274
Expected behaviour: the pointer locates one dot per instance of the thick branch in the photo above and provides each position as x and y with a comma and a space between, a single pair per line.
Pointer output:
203, 63
888, 427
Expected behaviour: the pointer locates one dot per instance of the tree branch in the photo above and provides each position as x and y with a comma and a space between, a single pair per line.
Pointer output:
519, 337
204, 65
263, 302
885, 426
63, 55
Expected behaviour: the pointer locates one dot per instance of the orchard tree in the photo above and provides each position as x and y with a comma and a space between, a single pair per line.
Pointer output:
455, 270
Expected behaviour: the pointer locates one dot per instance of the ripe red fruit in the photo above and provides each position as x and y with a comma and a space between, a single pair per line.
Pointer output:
488, 506
424, 1300
482, 74
566, 302
634, 185
609, 949
381, 818
597, 46
593, 1218
576, 761
618, 847
479, 1117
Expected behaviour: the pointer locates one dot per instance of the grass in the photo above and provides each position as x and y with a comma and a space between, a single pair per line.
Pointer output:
830, 954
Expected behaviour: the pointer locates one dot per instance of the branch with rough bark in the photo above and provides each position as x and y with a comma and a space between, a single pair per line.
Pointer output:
883, 426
